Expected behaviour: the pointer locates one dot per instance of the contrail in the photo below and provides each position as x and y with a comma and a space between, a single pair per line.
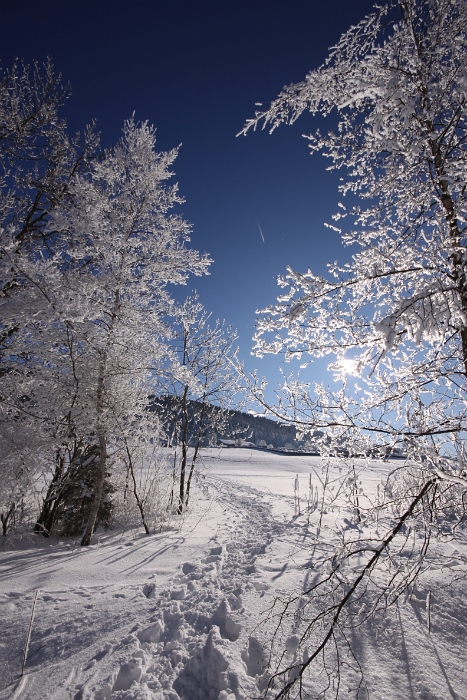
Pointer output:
260, 230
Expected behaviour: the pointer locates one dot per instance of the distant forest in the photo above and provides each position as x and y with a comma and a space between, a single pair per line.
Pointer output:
236, 425
258, 428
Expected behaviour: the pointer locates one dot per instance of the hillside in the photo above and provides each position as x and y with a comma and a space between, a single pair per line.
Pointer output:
237, 424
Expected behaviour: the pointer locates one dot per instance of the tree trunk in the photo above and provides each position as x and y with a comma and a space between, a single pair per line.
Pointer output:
5, 518
47, 525
46, 518
98, 491
174, 475
181, 500
458, 264
99, 488
195, 453
139, 503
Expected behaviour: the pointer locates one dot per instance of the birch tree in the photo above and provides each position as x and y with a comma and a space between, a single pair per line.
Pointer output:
393, 319
84, 364
123, 249
203, 385
38, 161
396, 315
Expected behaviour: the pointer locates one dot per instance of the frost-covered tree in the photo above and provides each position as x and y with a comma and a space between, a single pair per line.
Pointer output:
83, 366
38, 161
395, 317
203, 383
122, 250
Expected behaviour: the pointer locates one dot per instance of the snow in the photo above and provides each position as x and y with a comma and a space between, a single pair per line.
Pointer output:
184, 613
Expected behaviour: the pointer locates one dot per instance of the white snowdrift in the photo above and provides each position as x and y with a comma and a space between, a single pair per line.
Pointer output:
181, 615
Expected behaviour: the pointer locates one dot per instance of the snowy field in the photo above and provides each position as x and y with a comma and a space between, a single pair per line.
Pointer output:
183, 614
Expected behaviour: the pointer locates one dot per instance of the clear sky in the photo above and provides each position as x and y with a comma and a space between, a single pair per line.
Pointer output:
194, 69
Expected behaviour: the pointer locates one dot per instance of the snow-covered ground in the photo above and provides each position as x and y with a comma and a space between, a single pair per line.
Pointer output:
183, 614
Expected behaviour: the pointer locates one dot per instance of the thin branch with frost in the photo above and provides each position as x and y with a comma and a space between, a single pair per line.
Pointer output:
335, 610
394, 318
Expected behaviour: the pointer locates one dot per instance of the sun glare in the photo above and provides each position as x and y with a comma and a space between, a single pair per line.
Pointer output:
349, 366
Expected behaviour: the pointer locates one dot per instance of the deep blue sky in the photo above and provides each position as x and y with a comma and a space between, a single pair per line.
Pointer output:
195, 68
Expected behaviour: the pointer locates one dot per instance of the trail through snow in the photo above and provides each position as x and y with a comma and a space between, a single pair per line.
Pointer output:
183, 614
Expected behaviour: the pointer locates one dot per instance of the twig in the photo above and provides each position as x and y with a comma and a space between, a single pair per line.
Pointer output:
298, 669
428, 611
297, 496
31, 619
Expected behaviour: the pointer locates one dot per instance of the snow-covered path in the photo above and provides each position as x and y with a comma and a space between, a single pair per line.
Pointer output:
181, 614
91, 598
